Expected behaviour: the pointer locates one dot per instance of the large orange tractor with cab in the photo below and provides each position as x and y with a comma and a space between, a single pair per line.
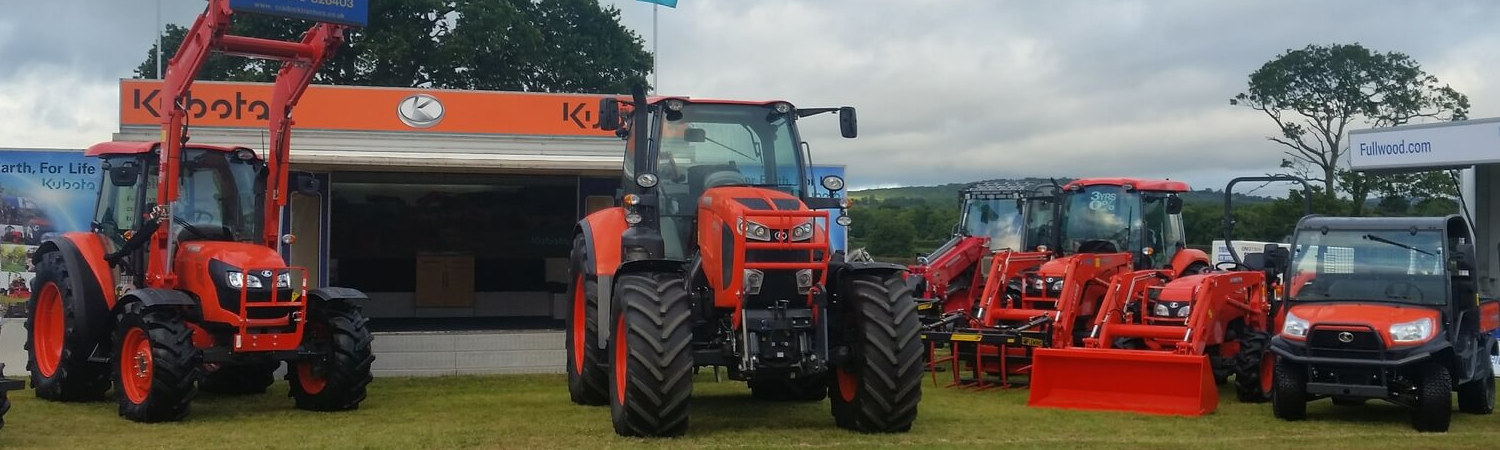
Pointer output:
1385, 308
1170, 339
184, 281
717, 255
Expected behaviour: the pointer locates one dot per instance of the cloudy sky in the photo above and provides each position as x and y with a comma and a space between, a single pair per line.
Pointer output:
947, 90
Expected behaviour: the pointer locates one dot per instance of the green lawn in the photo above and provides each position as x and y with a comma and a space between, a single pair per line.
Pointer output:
532, 411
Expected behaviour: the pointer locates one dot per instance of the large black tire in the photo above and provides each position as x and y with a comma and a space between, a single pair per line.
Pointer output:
1434, 409
650, 352
588, 381
877, 389
1478, 395
241, 379
805, 389
73, 378
1289, 392
338, 380
1251, 365
156, 367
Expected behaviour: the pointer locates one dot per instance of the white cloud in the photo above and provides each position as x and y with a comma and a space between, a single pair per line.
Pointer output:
50, 106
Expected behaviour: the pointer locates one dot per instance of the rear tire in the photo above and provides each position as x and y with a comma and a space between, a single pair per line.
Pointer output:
1250, 368
1478, 395
1289, 392
156, 367
339, 380
804, 389
56, 338
651, 356
878, 388
1434, 409
241, 379
588, 381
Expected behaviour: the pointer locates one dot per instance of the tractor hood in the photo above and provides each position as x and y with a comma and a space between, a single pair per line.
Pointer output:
1379, 317
735, 201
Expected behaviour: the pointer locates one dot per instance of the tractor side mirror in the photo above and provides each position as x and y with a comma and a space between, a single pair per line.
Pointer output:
1174, 205
306, 184
1462, 261
124, 174
1276, 257
694, 135
609, 114
848, 124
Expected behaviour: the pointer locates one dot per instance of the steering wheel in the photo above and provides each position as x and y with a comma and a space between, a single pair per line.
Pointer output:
1232, 266
666, 168
202, 216
1403, 290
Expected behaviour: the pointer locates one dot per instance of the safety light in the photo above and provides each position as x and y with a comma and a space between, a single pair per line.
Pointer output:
783, 107
844, 221
646, 180
632, 199
833, 183
244, 154
288, 239
632, 218
1148, 251
675, 105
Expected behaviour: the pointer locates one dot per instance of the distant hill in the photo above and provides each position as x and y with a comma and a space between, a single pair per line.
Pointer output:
948, 193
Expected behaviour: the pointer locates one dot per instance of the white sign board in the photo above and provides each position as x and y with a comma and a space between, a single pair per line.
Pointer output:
1221, 251
1426, 146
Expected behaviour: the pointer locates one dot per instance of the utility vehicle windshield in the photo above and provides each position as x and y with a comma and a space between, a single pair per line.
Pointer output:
994, 217
710, 145
1381, 265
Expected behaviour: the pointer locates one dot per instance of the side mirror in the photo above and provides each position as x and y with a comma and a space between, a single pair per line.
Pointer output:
1462, 261
694, 135
848, 124
1174, 205
124, 174
609, 114
306, 184
1277, 258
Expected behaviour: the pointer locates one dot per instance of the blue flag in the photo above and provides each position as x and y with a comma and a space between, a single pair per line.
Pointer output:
666, 3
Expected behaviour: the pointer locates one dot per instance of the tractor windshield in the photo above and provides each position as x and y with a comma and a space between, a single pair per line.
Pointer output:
1101, 219
707, 145
1380, 265
994, 217
220, 197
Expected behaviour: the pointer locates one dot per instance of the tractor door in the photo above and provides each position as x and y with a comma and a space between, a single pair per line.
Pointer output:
1163, 235
124, 201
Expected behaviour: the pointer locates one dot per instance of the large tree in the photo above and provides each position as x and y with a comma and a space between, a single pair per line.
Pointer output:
1315, 95
522, 45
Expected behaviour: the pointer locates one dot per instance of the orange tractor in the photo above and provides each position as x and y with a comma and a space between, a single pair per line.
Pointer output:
1169, 338
717, 255
184, 278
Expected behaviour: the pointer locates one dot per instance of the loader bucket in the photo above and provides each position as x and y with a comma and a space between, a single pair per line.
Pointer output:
1142, 381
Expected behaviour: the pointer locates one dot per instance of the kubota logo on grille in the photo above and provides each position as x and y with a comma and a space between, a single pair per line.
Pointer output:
1346, 337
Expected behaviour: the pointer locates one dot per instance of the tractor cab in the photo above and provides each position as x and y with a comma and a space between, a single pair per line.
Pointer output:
1385, 308
221, 192
995, 212
1120, 215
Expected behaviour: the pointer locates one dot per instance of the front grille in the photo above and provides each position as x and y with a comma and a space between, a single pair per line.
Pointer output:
778, 256
1329, 343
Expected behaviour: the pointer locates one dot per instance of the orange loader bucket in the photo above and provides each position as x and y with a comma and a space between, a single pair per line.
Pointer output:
1143, 381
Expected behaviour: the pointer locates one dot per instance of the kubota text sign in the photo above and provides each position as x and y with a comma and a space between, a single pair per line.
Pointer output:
346, 12
247, 105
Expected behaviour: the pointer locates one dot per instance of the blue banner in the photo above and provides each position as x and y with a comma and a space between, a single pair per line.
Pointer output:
346, 12
41, 192
838, 236
666, 3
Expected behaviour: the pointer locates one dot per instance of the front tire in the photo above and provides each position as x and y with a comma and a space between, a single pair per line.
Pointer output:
156, 367
1289, 392
1478, 395
651, 356
1434, 409
878, 389
1253, 367
56, 339
338, 380
588, 381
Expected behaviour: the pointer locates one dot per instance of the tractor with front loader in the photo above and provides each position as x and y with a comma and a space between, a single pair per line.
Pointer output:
717, 255
183, 281
1385, 308
1169, 339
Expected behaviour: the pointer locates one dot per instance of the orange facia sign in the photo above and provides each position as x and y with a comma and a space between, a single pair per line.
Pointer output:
247, 105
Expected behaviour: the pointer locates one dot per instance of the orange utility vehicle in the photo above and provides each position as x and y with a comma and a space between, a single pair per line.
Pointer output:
184, 277
717, 255
1386, 308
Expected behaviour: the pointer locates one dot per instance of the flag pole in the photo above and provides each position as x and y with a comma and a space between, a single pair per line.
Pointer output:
655, 56
159, 75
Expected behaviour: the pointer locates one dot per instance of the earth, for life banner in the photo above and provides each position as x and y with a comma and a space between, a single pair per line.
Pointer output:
41, 192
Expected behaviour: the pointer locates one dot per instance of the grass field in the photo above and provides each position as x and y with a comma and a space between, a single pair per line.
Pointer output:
532, 411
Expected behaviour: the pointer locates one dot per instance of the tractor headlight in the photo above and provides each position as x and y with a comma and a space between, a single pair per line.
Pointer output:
1414, 331
843, 221
1294, 326
675, 105
1184, 311
646, 180
753, 280
802, 232
1161, 310
284, 280
1055, 284
757, 231
833, 183
238, 280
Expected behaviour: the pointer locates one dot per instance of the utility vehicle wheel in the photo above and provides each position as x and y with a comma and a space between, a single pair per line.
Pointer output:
1434, 409
156, 367
651, 356
1289, 392
1478, 395
241, 379
588, 382
337, 380
57, 344
1253, 367
878, 388
805, 389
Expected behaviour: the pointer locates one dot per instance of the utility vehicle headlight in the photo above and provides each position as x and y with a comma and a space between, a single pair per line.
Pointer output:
1414, 331
1294, 326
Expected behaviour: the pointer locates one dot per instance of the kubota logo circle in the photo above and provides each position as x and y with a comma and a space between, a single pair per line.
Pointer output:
420, 111
1346, 337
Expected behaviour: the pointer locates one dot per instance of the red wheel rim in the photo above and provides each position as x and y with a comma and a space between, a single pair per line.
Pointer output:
309, 379
621, 355
848, 384
136, 365
579, 326
47, 329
